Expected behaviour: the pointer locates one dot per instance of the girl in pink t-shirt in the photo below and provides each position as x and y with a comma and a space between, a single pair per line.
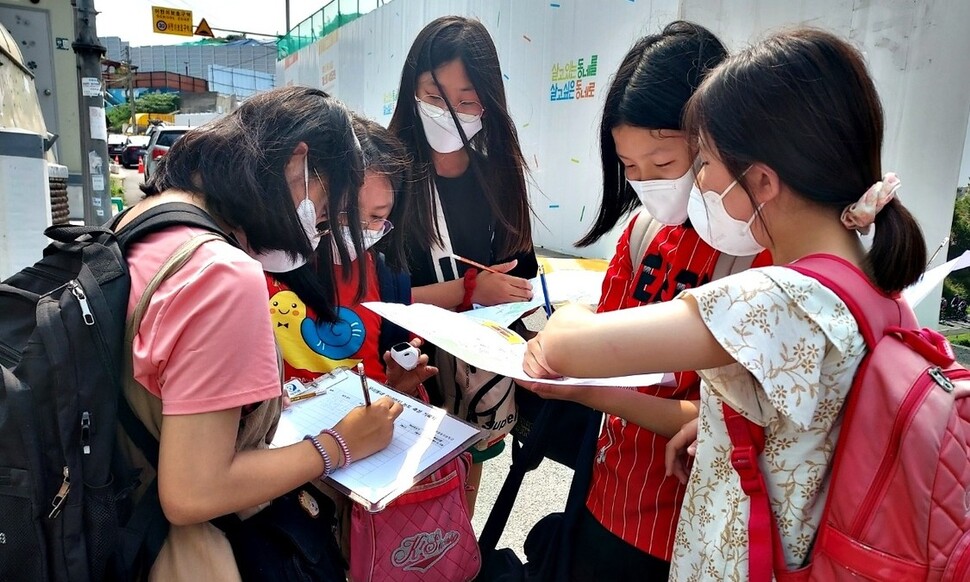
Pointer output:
266, 174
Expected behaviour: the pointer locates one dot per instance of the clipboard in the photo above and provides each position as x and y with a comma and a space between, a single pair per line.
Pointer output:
425, 437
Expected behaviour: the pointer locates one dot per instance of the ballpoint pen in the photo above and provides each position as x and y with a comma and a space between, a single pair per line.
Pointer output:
545, 291
363, 383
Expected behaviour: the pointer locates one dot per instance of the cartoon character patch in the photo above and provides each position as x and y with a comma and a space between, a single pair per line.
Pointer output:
309, 345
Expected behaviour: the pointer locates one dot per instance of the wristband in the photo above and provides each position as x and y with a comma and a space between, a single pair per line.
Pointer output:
327, 465
344, 449
471, 281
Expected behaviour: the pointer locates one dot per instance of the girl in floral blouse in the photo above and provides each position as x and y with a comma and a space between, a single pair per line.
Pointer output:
790, 133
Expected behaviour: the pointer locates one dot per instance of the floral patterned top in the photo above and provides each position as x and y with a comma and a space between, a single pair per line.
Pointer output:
796, 348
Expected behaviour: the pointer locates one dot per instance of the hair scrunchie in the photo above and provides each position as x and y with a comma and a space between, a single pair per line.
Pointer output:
860, 215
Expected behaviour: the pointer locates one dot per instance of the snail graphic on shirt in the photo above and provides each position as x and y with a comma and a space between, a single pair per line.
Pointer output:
311, 345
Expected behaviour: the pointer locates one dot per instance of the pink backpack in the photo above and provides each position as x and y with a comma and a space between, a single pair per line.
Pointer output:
898, 506
425, 534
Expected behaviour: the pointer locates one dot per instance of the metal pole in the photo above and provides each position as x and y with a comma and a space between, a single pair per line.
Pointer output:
287, 16
131, 91
96, 186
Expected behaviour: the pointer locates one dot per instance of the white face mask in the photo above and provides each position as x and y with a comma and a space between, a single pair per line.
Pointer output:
718, 228
277, 261
306, 210
441, 131
370, 238
665, 200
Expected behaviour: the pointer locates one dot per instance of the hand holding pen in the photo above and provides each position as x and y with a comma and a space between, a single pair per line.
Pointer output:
363, 383
494, 286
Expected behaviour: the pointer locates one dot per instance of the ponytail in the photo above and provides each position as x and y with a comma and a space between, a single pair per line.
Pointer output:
898, 255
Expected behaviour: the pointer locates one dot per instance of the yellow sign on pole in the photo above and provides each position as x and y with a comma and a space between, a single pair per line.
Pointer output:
204, 29
172, 21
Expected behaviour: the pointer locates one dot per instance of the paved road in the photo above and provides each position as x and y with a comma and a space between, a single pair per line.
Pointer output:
543, 491
131, 180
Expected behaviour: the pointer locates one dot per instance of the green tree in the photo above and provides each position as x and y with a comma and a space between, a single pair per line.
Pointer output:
119, 115
958, 283
158, 103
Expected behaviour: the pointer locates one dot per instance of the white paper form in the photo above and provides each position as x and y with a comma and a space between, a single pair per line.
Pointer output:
483, 344
505, 314
425, 437
564, 287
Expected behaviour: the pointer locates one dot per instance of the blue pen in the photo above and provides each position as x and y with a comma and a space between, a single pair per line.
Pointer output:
545, 291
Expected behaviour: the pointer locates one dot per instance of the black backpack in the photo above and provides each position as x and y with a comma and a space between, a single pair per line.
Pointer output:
65, 509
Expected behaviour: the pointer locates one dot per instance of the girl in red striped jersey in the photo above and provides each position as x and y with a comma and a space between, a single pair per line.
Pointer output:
627, 530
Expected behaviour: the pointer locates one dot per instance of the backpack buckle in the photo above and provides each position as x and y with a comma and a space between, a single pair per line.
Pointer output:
745, 462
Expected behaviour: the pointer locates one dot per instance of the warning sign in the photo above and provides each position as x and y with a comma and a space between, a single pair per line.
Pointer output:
172, 21
204, 30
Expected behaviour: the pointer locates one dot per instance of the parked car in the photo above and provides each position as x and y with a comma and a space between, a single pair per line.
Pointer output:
163, 137
135, 148
116, 145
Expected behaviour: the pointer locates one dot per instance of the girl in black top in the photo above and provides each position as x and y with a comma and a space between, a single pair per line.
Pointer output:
466, 195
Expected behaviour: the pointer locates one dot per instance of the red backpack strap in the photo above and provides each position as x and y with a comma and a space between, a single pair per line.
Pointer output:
764, 540
874, 311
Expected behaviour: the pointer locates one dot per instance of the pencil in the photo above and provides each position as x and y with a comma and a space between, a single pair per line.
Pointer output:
545, 291
475, 264
304, 396
363, 383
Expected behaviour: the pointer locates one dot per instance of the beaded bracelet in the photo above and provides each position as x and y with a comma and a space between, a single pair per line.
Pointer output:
341, 443
327, 465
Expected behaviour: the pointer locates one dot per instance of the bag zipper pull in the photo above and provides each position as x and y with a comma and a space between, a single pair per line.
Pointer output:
86, 432
939, 378
78, 292
61, 496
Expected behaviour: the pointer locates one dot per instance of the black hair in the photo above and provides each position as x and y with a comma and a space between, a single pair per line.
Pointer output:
649, 90
495, 155
384, 154
236, 164
803, 103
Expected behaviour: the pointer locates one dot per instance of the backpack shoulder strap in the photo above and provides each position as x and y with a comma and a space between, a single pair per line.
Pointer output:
134, 425
164, 216
147, 527
645, 229
764, 540
171, 266
874, 311
395, 287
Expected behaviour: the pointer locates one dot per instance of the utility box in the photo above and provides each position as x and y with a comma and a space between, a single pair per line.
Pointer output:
25, 208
